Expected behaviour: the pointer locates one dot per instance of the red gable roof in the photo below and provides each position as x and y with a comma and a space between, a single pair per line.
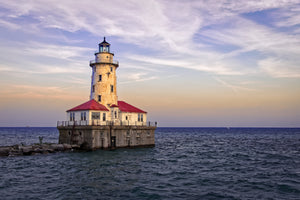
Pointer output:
125, 107
89, 105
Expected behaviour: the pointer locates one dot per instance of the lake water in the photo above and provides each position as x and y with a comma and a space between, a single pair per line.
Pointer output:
186, 163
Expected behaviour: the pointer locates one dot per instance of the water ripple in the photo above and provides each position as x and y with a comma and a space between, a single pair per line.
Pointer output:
187, 163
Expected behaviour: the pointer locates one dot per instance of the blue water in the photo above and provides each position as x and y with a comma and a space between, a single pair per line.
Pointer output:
186, 163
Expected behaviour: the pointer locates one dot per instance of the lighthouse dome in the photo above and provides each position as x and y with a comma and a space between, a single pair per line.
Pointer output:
104, 46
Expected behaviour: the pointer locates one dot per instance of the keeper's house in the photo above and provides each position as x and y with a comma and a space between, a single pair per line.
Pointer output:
103, 121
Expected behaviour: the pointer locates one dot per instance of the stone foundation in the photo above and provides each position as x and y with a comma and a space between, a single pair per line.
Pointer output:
107, 137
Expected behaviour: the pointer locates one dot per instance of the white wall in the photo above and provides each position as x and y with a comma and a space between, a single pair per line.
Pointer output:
88, 115
132, 118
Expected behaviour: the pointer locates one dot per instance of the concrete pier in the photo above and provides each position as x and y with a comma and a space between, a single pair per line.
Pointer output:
21, 150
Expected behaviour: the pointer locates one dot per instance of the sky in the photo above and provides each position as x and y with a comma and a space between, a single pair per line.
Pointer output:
187, 63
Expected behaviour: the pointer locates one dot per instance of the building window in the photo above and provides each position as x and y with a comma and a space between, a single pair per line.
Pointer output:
100, 78
139, 117
83, 116
93, 88
95, 115
126, 118
104, 116
115, 114
142, 118
111, 69
111, 88
72, 116
99, 98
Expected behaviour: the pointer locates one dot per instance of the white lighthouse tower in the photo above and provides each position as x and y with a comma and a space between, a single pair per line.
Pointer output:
104, 79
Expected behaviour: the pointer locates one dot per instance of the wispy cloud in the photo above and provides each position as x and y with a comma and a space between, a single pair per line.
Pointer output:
5, 68
215, 66
137, 77
56, 51
287, 17
37, 92
280, 68
36, 68
159, 26
248, 36
41, 58
9, 25
234, 88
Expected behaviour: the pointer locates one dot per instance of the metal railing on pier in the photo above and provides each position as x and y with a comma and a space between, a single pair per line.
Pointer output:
104, 123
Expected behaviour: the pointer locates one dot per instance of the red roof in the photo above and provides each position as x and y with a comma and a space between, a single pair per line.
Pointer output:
89, 105
125, 107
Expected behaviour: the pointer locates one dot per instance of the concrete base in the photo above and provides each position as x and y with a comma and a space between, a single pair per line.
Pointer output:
107, 137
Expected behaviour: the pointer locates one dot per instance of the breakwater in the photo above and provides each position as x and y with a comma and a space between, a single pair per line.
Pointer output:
21, 150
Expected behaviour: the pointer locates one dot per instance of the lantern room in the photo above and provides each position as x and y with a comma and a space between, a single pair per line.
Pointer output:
104, 46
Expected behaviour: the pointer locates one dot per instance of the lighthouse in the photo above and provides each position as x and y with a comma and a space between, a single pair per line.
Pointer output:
104, 78
104, 121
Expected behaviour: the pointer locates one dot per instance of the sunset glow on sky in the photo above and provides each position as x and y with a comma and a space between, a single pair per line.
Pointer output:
187, 63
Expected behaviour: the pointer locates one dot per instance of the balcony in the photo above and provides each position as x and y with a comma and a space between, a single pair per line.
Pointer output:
94, 62
104, 123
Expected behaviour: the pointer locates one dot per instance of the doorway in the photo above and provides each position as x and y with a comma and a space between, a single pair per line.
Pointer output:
113, 141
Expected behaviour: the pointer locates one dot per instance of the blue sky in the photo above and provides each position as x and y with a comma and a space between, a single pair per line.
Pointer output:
188, 63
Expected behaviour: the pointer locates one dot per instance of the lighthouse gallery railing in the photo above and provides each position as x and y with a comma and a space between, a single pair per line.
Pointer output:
104, 123
95, 62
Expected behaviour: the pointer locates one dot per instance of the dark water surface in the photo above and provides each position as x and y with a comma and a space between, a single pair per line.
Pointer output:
187, 163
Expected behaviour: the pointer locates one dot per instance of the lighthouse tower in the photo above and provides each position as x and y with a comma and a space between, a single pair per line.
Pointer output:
104, 79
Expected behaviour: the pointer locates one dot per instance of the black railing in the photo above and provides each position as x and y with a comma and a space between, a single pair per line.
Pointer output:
104, 123
97, 52
92, 62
